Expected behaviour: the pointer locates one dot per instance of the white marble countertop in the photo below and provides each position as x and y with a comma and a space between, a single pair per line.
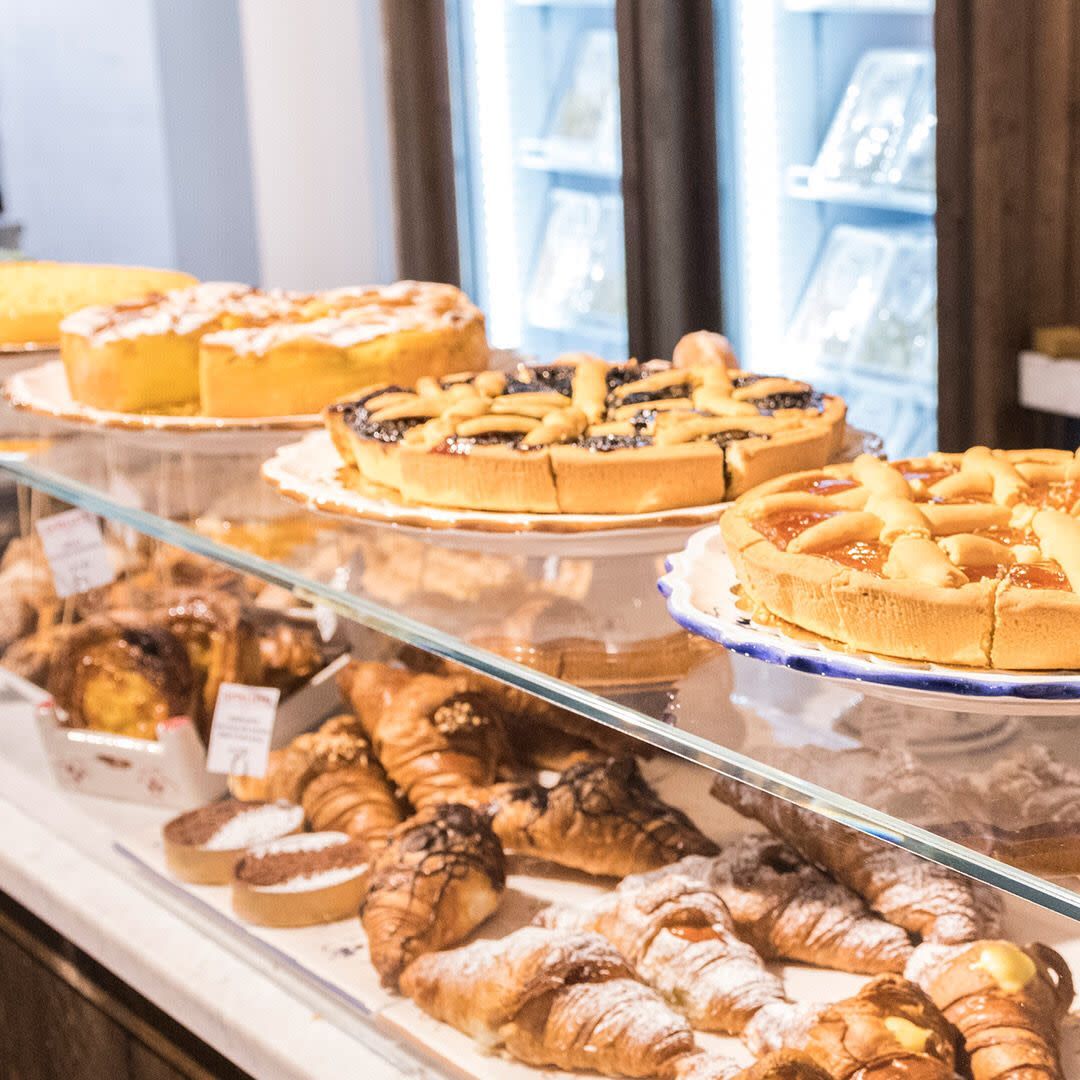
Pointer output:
57, 860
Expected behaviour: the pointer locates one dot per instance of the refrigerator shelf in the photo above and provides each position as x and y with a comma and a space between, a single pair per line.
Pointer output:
544, 155
565, 3
801, 184
877, 7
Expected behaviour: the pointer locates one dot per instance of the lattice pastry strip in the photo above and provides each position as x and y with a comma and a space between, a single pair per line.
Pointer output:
585, 436
969, 558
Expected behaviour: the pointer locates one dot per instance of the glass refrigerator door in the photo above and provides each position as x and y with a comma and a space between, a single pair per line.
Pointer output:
536, 136
828, 195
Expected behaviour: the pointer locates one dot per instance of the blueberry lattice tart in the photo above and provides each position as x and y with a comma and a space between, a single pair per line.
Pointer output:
969, 558
585, 436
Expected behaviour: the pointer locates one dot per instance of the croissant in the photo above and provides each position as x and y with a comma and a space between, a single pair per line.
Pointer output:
600, 817
889, 1028
912, 893
440, 876
438, 741
1007, 1001
333, 775
781, 1065
787, 909
678, 937
551, 998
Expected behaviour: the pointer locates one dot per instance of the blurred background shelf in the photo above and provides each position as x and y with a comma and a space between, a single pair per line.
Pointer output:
801, 184
858, 7
1049, 384
542, 155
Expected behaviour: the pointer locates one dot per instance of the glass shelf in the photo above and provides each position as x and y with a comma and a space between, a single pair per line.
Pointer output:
545, 155
583, 630
802, 185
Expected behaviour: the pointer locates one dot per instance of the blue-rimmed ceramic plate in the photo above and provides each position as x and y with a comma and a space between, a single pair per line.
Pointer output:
700, 587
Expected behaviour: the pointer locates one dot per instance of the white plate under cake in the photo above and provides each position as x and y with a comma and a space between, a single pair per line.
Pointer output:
970, 559
582, 436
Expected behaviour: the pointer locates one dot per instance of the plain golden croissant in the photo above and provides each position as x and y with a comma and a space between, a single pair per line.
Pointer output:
440, 876
920, 896
678, 937
438, 741
788, 909
600, 817
551, 998
889, 1028
1006, 1000
334, 776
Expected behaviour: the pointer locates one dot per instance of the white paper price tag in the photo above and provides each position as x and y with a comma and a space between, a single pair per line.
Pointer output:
326, 622
76, 552
242, 728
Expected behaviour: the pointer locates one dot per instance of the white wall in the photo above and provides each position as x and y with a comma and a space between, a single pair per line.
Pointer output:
81, 130
321, 165
237, 139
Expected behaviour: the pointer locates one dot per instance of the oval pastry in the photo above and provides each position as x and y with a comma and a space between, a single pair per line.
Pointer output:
967, 558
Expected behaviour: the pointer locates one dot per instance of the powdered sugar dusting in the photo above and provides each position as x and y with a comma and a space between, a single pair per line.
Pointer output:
261, 823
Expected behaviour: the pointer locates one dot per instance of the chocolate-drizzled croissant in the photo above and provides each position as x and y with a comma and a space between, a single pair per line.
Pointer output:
551, 998
678, 937
787, 909
920, 896
334, 776
600, 817
438, 741
889, 1028
1006, 1000
440, 876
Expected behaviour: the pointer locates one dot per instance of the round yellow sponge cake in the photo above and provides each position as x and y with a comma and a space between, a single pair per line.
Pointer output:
36, 296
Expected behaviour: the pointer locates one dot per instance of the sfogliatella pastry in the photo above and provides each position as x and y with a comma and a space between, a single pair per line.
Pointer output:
438, 740
440, 876
890, 1028
1007, 1001
334, 776
600, 817
301, 880
789, 910
121, 674
967, 558
202, 846
583, 436
552, 998
679, 938
920, 896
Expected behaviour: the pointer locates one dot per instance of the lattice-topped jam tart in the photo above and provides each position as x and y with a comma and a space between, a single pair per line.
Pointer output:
969, 558
585, 436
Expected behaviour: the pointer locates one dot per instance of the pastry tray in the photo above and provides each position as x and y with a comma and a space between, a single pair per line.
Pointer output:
331, 962
309, 472
43, 391
703, 596
168, 771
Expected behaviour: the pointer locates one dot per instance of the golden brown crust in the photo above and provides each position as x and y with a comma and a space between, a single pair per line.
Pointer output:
1007, 1001
584, 437
956, 558
551, 998
440, 876
438, 740
600, 817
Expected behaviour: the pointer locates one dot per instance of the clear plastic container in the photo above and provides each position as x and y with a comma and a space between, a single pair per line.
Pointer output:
580, 272
868, 138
